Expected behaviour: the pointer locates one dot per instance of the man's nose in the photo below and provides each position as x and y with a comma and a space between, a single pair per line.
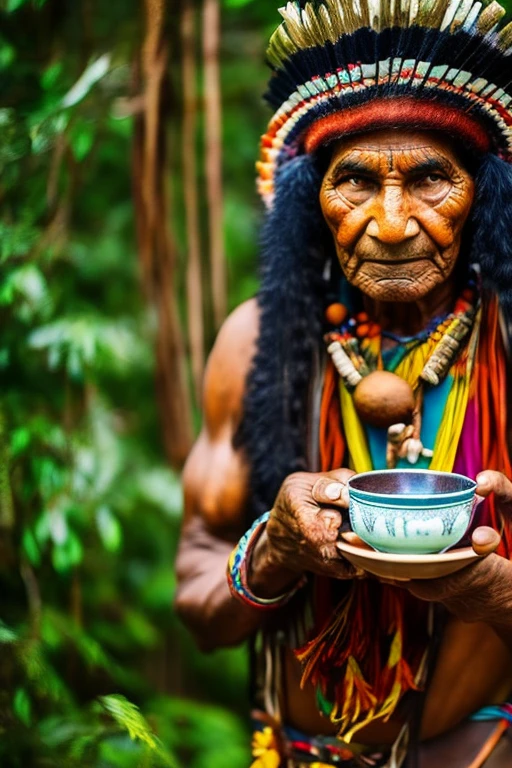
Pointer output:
391, 220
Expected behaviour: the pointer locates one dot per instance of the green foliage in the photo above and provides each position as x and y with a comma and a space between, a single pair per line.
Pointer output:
89, 511
128, 717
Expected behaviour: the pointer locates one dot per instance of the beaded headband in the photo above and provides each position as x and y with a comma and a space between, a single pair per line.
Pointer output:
345, 66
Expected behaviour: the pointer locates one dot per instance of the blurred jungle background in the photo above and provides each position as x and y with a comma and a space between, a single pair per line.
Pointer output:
128, 229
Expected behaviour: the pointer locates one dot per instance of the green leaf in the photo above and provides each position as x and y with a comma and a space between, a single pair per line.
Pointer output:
20, 440
128, 717
26, 289
22, 706
140, 629
45, 130
7, 635
109, 529
44, 681
6, 293
13, 5
16, 239
59, 529
82, 139
51, 75
30, 548
7, 54
42, 528
67, 554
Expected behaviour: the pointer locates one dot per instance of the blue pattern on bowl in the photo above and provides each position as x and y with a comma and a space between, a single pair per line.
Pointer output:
416, 511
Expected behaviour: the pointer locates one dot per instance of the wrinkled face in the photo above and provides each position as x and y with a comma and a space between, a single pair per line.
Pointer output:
396, 203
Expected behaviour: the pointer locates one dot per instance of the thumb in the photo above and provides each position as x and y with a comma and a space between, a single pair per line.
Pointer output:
485, 540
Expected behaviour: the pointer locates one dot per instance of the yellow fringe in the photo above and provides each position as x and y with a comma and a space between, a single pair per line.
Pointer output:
447, 441
360, 459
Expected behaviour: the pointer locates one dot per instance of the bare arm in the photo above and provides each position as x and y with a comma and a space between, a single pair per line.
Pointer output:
301, 533
215, 483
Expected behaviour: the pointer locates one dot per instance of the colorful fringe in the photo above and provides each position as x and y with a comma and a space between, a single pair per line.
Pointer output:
374, 650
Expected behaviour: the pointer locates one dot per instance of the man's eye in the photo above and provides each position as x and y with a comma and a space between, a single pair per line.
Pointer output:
357, 181
355, 187
432, 178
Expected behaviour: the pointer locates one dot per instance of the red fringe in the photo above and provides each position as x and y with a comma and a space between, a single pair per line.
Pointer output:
491, 380
332, 442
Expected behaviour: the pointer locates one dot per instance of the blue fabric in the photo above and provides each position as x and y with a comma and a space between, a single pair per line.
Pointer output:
494, 713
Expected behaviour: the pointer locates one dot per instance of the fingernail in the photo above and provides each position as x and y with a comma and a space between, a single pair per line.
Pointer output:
333, 491
482, 479
480, 537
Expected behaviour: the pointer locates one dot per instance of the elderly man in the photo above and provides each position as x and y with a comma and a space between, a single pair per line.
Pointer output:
386, 246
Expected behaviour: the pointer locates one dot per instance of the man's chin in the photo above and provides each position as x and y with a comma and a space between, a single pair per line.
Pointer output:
401, 286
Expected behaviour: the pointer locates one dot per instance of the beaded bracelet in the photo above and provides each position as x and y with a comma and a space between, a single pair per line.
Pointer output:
237, 571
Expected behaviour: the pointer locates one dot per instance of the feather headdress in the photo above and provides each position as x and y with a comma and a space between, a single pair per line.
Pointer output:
340, 67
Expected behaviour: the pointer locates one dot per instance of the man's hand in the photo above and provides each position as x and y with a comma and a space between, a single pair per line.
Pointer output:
302, 531
483, 590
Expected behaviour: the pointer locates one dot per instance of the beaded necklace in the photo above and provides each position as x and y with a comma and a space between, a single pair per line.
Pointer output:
393, 398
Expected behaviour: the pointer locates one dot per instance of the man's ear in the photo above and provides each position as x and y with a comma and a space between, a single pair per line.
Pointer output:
492, 228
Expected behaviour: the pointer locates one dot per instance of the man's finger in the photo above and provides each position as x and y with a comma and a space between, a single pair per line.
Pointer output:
352, 538
490, 481
485, 540
347, 570
329, 490
332, 520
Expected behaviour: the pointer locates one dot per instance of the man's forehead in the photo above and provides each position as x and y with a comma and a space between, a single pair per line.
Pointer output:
397, 143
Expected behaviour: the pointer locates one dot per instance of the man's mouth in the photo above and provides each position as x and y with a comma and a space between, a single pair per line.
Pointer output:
392, 262
393, 269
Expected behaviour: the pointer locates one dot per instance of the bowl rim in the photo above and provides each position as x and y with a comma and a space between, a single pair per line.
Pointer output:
446, 495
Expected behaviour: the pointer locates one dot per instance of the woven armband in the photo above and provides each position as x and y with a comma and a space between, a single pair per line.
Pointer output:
237, 571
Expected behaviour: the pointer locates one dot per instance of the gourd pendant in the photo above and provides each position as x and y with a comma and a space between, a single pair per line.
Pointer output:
382, 399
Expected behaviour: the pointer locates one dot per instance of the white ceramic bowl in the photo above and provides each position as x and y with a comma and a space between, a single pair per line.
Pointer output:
411, 511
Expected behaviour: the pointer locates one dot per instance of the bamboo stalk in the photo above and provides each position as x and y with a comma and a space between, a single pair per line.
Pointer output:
194, 277
213, 150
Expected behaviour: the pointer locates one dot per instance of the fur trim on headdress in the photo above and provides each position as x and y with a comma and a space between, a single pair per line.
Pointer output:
492, 234
291, 301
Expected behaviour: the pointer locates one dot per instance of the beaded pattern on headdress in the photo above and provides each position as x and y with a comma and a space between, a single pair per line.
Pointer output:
335, 55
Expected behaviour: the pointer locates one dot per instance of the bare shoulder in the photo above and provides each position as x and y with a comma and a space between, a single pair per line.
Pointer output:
228, 366
216, 475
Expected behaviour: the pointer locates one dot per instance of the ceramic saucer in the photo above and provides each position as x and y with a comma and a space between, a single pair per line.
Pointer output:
406, 567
